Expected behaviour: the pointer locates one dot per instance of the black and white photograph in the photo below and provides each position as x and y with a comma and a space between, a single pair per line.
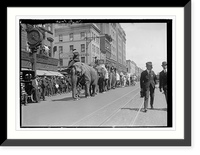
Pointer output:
98, 76
80, 73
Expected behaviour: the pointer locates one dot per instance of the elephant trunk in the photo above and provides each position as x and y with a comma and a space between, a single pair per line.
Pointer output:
74, 83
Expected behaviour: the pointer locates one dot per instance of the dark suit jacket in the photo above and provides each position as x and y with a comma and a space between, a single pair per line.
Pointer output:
34, 84
147, 79
163, 80
44, 83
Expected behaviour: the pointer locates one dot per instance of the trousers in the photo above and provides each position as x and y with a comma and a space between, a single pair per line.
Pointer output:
148, 92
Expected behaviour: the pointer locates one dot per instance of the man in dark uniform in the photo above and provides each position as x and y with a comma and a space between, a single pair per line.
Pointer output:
163, 79
147, 84
74, 59
44, 87
35, 89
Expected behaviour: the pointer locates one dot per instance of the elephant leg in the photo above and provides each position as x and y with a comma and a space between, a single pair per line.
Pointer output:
106, 84
74, 85
87, 89
93, 90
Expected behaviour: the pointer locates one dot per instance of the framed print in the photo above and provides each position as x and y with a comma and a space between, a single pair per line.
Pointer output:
87, 76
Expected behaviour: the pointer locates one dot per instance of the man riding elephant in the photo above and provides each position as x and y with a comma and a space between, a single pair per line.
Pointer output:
74, 59
85, 74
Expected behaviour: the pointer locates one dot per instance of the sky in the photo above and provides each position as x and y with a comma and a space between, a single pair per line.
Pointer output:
146, 42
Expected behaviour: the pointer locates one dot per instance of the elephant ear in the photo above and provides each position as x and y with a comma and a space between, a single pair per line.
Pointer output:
84, 68
78, 67
98, 69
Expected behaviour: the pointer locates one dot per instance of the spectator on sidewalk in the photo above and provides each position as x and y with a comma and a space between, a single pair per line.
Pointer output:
147, 84
35, 89
163, 79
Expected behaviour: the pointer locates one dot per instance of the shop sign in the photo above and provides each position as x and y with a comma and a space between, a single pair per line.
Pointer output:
42, 66
26, 64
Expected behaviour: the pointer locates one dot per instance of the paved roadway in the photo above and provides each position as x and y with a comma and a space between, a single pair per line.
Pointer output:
121, 107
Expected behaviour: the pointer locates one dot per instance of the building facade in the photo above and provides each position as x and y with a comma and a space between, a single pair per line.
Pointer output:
84, 37
121, 48
44, 59
118, 44
105, 48
131, 67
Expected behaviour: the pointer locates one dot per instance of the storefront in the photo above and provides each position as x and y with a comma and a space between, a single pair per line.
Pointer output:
44, 65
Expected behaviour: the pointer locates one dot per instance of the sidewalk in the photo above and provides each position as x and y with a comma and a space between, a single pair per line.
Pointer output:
156, 116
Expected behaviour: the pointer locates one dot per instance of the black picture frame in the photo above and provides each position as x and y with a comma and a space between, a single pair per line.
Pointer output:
125, 142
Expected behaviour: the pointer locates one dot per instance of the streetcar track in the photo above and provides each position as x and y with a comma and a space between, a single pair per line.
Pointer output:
88, 116
117, 111
133, 120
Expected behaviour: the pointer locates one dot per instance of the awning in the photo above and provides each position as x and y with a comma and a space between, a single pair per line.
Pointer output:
48, 73
55, 73
42, 72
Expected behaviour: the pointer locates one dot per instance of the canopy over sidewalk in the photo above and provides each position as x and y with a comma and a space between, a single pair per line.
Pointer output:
48, 73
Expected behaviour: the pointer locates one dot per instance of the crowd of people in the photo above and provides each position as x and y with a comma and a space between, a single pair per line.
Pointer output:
41, 86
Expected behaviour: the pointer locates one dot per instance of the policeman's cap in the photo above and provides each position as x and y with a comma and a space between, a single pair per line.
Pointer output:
164, 63
149, 64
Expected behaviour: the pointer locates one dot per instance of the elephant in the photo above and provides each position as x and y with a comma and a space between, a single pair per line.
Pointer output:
112, 79
102, 71
85, 75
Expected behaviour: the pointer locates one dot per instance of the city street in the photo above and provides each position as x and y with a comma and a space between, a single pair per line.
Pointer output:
121, 107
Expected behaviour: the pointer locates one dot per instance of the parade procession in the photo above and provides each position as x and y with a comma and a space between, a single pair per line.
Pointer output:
76, 74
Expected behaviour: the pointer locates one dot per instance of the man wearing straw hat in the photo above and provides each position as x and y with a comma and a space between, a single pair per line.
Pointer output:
74, 59
147, 84
163, 79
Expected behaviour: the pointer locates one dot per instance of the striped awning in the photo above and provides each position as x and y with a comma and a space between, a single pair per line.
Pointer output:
42, 72
48, 73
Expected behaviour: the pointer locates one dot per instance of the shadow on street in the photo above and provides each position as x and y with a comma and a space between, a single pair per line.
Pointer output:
67, 99
137, 109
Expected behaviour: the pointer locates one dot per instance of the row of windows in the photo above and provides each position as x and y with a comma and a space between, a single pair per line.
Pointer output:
71, 47
82, 36
61, 61
71, 36
95, 37
95, 49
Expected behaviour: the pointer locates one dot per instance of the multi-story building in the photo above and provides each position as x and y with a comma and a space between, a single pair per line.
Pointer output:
121, 48
131, 67
84, 37
44, 60
113, 33
105, 48
118, 44
106, 30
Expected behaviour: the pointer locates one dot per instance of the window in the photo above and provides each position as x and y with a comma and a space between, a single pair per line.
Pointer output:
82, 35
97, 50
92, 36
60, 37
93, 48
60, 49
83, 59
98, 40
71, 47
61, 62
82, 47
49, 28
71, 36
49, 51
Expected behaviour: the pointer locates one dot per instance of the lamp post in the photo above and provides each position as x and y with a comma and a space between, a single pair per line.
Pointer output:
88, 41
34, 37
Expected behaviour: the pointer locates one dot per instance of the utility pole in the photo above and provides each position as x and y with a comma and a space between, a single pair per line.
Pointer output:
34, 37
